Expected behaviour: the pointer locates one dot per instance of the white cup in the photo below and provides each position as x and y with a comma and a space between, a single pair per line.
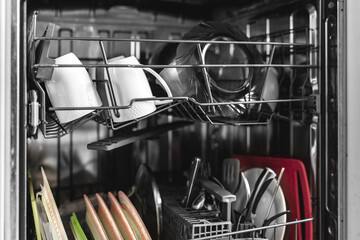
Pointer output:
131, 83
71, 87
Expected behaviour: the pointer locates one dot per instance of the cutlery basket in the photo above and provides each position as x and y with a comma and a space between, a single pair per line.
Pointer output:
185, 223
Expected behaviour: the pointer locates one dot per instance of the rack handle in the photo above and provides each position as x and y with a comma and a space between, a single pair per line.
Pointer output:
224, 196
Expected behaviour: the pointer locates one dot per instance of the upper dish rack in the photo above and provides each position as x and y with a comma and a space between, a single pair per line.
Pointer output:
296, 106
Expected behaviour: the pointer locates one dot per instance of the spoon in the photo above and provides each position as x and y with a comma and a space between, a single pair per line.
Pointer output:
210, 202
199, 201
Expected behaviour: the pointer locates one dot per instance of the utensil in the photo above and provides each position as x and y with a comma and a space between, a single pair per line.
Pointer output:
199, 201
222, 195
274, 194
217, 181
210, 202
266, 174
259, 196
231, 169
270, 220
279, 205
190, 183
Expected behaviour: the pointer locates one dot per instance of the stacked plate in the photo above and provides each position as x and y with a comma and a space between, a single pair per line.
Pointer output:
118, 221
121, 221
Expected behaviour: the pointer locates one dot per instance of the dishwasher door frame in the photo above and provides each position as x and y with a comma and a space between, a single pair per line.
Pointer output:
13, 190
13, 199
349, 207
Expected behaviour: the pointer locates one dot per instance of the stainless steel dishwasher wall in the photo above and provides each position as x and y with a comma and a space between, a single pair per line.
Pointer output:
75, 170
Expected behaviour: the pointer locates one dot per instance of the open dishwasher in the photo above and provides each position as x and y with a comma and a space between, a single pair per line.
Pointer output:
250, 97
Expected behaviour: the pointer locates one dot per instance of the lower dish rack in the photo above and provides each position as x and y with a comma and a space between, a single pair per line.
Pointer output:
185, 223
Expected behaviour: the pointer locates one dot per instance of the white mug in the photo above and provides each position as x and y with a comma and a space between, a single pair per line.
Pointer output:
131, 83
71, 87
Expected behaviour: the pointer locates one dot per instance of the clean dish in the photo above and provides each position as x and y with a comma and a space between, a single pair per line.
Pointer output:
278, 206
51, 209
76, 228
46, 228
34, 207
129, 84
93, 221
133, 217
71, 87
120, 218
147, 200
226, 83
107, 220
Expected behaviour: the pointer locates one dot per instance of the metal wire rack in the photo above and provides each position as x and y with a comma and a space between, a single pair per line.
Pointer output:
191, 224
183, 107
185, 223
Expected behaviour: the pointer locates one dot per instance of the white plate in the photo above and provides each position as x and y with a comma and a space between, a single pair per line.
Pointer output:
279, 205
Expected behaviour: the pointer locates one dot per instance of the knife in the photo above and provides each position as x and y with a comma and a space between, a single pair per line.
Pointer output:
190, 183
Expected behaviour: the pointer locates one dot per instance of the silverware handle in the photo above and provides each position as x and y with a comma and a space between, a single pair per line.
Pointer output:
194, 169
259, 182
222, 195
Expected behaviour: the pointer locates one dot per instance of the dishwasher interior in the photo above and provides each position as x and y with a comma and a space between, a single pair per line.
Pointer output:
272, 120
